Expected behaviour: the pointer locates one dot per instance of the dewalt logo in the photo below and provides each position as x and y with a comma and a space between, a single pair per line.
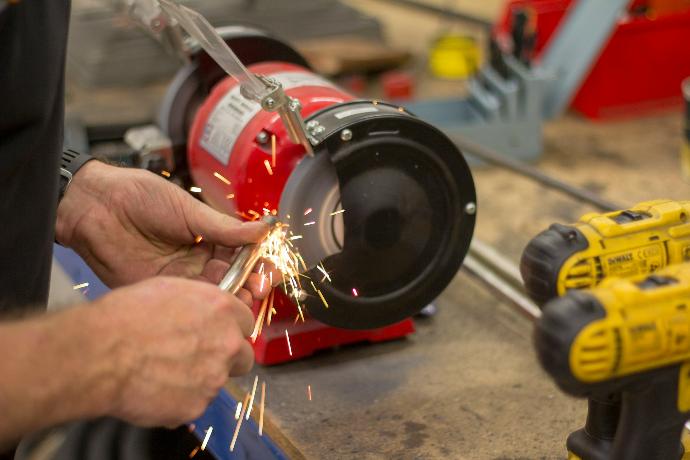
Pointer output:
620, 259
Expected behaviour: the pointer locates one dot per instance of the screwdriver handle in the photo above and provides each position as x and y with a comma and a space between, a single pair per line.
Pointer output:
651, 425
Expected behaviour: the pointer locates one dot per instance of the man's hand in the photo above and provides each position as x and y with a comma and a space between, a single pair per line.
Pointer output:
130, 224
154, 353
173, 343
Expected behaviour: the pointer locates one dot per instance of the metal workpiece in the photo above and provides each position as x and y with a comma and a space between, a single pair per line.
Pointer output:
244, 262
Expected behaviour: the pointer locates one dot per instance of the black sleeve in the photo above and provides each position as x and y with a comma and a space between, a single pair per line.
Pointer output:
33, 37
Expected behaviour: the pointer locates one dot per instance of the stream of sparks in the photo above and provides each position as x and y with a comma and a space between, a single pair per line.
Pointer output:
239, 423
287, 337
261, 408
251, 399
208, 436
221, 178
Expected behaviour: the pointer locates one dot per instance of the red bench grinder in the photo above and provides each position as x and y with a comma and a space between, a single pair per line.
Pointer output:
406, 191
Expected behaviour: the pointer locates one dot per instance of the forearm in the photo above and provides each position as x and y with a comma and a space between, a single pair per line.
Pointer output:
53, 368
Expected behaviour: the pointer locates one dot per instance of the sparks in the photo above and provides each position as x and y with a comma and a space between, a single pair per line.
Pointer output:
309, 392
194, 452
261, 408
301, 260
325, 273
229, 196
198, 239
208, 436
238, 409
299, 314
354, 292
296, 237
165, 173
309, 223
80, 286
287, 337
268, 167
323, 299
307, 211
276, 249
271, 310
251, 399
221, 178
258, 325
261, 286
195, 189
273, 150
337, 212
239, 423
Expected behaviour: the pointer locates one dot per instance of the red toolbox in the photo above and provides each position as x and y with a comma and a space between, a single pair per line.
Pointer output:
641, 67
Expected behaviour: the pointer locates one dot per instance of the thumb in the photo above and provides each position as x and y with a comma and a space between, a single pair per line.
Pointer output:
221, 229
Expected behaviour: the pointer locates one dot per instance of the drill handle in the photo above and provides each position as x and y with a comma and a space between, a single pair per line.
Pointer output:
595, 440
651, 425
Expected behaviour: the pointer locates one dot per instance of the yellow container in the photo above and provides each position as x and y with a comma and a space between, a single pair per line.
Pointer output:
454, 57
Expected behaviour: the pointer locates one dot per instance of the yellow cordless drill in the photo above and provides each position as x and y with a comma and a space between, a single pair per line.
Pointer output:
636, 241
630, 337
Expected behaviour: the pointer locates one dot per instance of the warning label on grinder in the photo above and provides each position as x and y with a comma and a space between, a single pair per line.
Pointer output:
233, 112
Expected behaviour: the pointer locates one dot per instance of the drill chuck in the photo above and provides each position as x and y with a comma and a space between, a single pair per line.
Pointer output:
556, 333
601, 339
545, 255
